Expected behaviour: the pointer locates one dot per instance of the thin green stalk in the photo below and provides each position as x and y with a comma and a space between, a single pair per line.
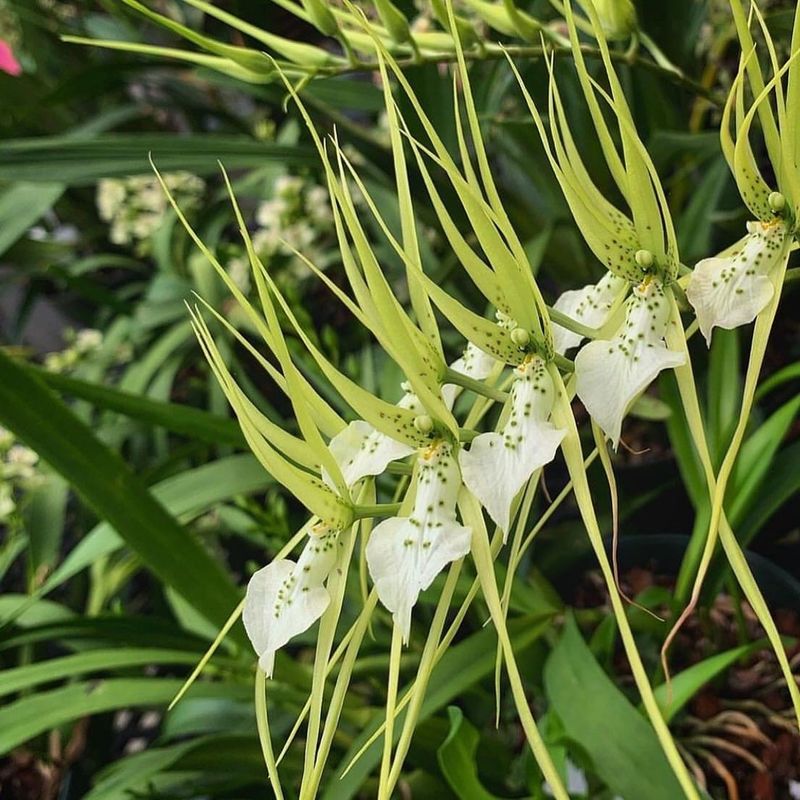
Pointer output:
262, 723
358, 630
384, 788
733, 551
424, 672
478, 387
571, 447
484, 564
375, 510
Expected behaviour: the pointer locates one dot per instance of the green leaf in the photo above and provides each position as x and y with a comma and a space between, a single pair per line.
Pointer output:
21, 205
56, 669
462, 666
457, 758
192, 422
80, 162
687, 683
33, 715
113, 491
598, 717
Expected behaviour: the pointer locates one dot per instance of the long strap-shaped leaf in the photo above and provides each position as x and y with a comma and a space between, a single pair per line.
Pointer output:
113, 491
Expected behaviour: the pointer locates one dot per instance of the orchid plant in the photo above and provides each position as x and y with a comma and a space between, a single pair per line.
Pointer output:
436, 464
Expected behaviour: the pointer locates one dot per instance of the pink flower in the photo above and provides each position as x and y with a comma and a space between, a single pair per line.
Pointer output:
8, 63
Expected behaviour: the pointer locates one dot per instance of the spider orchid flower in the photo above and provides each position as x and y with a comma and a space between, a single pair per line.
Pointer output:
611, 374
591, 306
405, 554
361, 450
732, 289
497, 465
286, 598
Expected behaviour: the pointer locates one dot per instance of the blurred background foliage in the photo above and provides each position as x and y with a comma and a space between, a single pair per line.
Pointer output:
131, 511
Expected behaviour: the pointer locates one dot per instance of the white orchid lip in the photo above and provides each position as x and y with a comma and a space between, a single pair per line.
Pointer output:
732, 289
361, 450
497, 465
285, 598
591, 306
405, 554
611, 374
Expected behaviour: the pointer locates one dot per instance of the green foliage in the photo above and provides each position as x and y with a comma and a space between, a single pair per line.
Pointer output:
393, 190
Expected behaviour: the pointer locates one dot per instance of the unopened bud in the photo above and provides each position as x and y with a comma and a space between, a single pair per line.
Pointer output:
777, 202
644, 258
618, 17
520, 337
423, 423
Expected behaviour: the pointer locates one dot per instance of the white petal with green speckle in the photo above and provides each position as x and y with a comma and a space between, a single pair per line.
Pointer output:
730, 291
497, 465
611, 374
405, 554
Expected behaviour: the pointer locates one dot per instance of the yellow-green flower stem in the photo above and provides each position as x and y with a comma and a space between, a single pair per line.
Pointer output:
336, 704
327, 630
350, 639
494, 52
455, 625
571, 447
375, 510
424, 672
472, 515
384, 790
544, 519
508, 581
733, 551
262, 723
478, 387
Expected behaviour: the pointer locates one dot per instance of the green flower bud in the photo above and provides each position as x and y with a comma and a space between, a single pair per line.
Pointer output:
520, 337
618, 17
423, 423
777, 202
644, 258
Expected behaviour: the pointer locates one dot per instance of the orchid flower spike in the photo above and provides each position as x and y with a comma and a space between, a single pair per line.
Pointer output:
498, 465
611, 374
286, 598
734, 287
405, 554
